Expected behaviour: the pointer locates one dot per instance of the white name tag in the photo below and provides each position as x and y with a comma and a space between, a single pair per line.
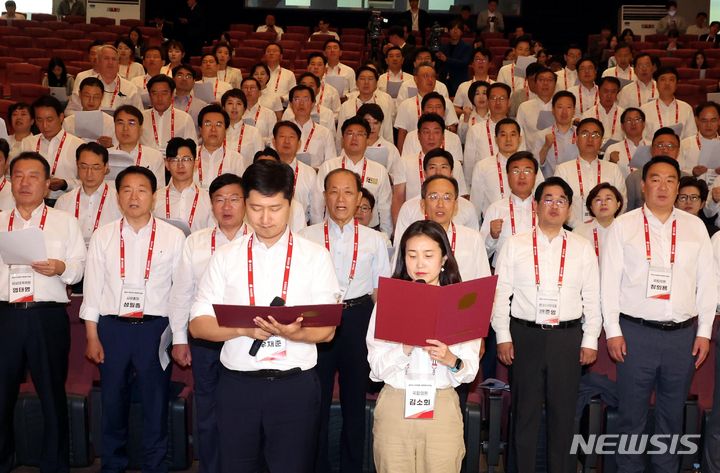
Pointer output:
586, 215
419, 396
547, 306
659, 283
274, 348
710, 177
22, 284
132, 301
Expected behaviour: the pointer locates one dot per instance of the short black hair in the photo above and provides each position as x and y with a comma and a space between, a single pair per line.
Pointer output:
330, 41
287, 124
622, 45
235, 93
367, 68
587, 59
437, 177
136, 170
521, 39
438, 153
20, 106
185, 67
501, 86
710, 104
213, 108
472, 90
431, 118
591, 121
396, 30
662, 70
268, 151
699, 184
563, 93
666, 130
315, 78
269, 178
430, 96
551, 182
661, 160
507, 121
315, 54
484, 51
130, 110
299, 88
356, 177
50, 102
596, 190
4, 148
92, 82
629, 110
356, 120
174, 145
613, 80
274, 44
92, 147
31, 156
225, 179
372, 109
519, 156
161, 79
222, 44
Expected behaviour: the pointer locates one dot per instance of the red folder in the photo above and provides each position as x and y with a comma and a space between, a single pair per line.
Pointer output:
410, 313
241, 316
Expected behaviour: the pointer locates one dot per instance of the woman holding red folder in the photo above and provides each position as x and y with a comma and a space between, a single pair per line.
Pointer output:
418, 425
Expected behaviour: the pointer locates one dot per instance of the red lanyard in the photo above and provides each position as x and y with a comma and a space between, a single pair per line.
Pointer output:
100, 207
217, 81
555, 145
57, 153
652, 92
224, 73
627, 150
580, 94
677, 112
673, 239
212, 238
2, 185
617, 68
277, 83
512, 215
257, 114
43, 217
192, 211
187, 107
597, 116
127, 71
353, 265
242, 132
597, 244
420, 168
364, 170
286, 277
151, 247
320, 99
172, 125
139, 156
307, 142
537, 266
580, 180
489, 137
200, 171
500, 177
417, 103
297, 171
453, 238
116, 92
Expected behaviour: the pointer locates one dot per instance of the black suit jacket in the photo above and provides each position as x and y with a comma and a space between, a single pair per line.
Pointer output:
423, 21
716, 42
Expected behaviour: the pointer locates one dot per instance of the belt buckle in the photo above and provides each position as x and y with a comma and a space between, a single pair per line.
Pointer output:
547, 327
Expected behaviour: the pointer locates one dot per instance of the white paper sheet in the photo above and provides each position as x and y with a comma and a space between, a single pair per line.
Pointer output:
89, 124
22, 246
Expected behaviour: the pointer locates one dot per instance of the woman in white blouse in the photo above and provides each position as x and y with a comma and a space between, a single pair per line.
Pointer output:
402, 442
605, 203
479, 110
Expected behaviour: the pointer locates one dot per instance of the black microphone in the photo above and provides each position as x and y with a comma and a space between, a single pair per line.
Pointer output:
277, 302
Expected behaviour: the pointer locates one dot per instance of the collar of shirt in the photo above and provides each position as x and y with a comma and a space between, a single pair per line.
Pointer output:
334, 229
349, 164
110, 86
587, 91
34, 216
218, 153
664, 108
144, 232
306, 127
520, 202
183, 193
280, 245
649, 86
97, 193
545, 242
591, 165
601, 110
654, 222
54, 140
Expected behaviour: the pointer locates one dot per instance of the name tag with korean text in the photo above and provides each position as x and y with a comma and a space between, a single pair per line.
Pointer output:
659, 283
22, 284
132, 301
274, 348
420, 396
547, 306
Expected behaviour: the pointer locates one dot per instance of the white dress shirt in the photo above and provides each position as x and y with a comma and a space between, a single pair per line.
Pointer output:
281, 87
377, 181
389, 363
618, 72
219, 86
190, 105
507, 76
149, 158
470, 254
372, 256
409, 112
325, 117
486, 182
131, 71
528, 114
108, 126
263, 119
305, 187
579, 294
63, 241
89, 205
451, 144
626, 150
610, 120
584, 98
690, 153
127, 94
461, 98
408, 87
320, 144
566, 79
609, 172
271, 100
565, 141
181, 203
480, 143
394, 165
7, 201
344, 71
66, 163
252, 140
196, 253
411, 212
523, 211
654, 120
211, 163
625, 271
637, 93
231, 75
350, 107
183, 128
265, 28
412, 166
589, 230
390, 77
103, 286
226, 282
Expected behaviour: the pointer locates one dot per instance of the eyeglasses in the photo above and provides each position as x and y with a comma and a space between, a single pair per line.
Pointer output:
683, 198
606, 200
130, 123
705, 121
665, 146
184, 76
353, 134
93, 168
234, 200
301, 99
518, 171
364, 208
184, 160
590, 134
434, 196
497, 98
634, 121
561, 202
218, 124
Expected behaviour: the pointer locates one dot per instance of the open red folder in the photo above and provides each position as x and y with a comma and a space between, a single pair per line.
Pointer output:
410, 313
241, 316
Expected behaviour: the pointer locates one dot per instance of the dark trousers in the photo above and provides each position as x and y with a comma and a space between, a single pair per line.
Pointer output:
272, 418
659, 361
131, 355
346, 355
545, 371
206, 372
37, 340
711, 449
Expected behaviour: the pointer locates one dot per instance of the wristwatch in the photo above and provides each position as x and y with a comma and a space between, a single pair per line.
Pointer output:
456, 367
